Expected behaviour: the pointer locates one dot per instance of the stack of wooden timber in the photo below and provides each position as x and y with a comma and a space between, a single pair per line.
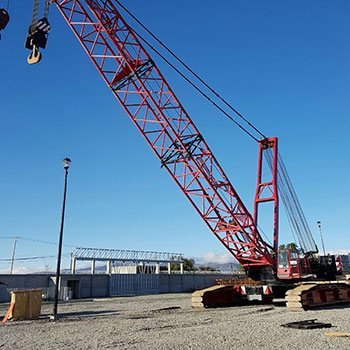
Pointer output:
215, 296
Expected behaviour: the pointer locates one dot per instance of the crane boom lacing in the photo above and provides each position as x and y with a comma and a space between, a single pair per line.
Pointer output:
165, 125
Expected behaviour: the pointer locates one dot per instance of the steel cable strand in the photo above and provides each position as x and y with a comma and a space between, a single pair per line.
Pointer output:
46, 8
302, 218
286, 204
35, 12
294, 225
293, 212
190, 81
305, 231
298, 206
189, 69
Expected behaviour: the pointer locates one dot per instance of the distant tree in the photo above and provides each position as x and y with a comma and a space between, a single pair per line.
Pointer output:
208, 269
188, 264
241, 269
292, 246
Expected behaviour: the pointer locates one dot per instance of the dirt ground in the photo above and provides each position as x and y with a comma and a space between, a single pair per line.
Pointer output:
168, 322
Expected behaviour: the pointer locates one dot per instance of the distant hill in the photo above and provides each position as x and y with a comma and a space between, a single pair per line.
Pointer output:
223, 268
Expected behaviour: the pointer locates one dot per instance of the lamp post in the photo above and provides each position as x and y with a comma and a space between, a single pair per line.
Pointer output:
66, 163
319, 226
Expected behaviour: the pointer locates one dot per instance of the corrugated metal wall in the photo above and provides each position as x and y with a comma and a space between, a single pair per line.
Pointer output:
134, 284
94, 286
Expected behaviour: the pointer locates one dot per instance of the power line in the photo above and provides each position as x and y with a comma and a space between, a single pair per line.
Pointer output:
38, 241
46, 242
34, 258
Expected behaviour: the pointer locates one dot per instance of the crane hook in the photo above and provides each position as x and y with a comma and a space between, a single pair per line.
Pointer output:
38, 33
35, 56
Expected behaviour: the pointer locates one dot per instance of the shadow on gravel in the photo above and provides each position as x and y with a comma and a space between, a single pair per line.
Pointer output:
166, 309
80, 314
331, 307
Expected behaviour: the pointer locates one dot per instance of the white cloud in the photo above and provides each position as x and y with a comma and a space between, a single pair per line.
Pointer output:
211, 257
18, 270
339, 252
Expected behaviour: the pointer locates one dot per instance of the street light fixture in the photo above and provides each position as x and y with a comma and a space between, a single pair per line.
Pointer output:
66, 164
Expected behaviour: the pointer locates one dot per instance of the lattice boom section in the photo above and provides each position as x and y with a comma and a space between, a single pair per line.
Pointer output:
137, 83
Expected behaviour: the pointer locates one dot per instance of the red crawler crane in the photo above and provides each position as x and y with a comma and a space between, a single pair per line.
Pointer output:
141, 89
136, 82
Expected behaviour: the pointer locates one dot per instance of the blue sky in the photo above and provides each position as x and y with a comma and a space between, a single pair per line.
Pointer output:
284, 64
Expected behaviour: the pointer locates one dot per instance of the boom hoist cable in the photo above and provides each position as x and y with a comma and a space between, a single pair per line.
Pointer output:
159, 116
196, 75
295, 214
38, 32
206, 96
134, 79
289, 197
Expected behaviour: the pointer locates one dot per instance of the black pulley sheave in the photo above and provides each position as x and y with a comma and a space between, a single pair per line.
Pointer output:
4, 18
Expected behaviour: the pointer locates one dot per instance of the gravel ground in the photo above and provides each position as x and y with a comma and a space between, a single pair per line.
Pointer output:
168, 322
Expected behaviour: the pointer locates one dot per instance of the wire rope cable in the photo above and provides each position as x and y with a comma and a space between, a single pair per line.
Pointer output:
35, 12
289, 198
188, 80
194, 85
47, 8
294, 211
184, 64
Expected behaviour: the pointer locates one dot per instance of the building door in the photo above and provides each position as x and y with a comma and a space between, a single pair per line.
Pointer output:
73, 286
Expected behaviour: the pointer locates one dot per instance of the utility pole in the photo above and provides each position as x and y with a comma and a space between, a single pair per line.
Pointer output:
319, 226
13, 253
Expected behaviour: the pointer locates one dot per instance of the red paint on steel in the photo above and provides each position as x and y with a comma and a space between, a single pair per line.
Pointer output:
266, 190
167, 128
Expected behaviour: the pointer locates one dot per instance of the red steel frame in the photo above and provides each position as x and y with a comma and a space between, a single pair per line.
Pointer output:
266, 190
141, 89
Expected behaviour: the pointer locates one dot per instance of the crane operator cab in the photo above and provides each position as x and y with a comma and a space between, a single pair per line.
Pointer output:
4, 19
292, 264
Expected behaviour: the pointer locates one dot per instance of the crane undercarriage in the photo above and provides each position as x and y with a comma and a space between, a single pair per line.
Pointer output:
298, 296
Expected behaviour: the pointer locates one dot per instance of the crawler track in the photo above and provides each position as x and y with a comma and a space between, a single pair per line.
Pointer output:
308, 296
